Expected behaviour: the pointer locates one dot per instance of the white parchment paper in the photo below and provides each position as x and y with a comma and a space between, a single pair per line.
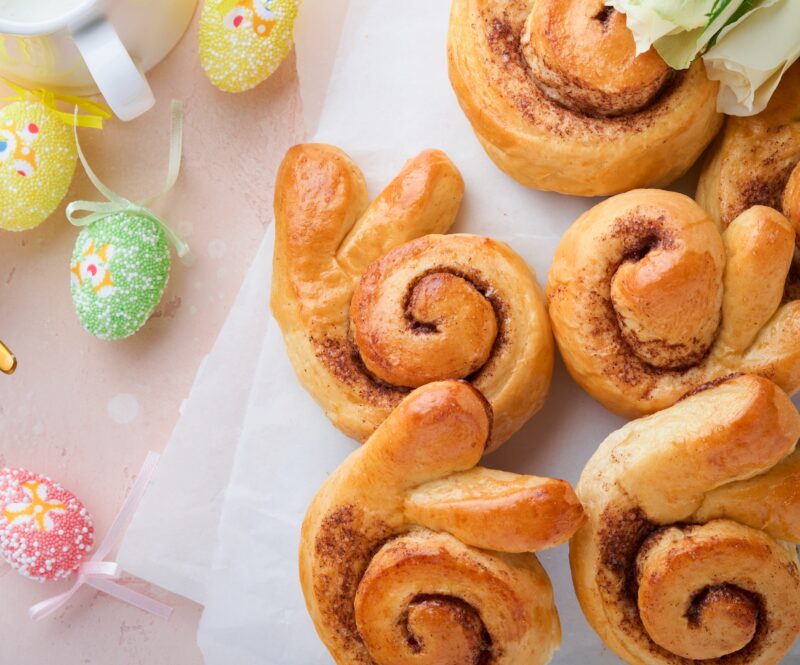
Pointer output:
252, 447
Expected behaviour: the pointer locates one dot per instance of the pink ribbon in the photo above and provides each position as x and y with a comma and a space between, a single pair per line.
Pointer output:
103, 575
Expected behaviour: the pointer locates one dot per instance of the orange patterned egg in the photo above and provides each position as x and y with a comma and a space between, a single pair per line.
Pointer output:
45, 531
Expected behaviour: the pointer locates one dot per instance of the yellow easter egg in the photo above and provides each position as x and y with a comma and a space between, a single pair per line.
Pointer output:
37, 161
243, 41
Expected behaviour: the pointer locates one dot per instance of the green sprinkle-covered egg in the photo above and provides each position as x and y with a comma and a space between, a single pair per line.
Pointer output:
120, 267
37, 161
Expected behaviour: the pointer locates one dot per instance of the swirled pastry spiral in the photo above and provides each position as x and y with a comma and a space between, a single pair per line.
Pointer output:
755, 159
688, 552
373, 301
559, 100
649, 300
410, 553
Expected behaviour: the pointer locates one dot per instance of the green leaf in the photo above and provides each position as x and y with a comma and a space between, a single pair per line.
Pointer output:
745, 7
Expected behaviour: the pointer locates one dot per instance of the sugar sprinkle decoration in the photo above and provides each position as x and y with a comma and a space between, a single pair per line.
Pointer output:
45, 531
242, 42
121, 261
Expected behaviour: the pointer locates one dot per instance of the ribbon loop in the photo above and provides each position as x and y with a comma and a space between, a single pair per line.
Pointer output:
107, 569
103, 575
97, 210
94, 112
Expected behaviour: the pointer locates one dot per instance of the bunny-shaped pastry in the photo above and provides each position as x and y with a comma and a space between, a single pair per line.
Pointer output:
688, 554
410, 551
649, 299
373, 301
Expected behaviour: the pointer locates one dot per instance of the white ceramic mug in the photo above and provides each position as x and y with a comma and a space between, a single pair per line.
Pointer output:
85, 46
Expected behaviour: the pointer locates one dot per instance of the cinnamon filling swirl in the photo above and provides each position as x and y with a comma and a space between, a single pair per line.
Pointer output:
668, 582
438, 308
431, 628
444, 327
666, 298
437, 617
582, 56
687, 605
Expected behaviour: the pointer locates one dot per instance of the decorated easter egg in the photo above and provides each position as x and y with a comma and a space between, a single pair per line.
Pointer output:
243, 41
45, 532
37, 161
120, 266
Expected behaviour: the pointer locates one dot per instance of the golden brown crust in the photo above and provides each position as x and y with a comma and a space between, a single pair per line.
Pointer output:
370, 310
753, 159
648, 300
498, 510
402, 555
581, 56
559, 101
679, 560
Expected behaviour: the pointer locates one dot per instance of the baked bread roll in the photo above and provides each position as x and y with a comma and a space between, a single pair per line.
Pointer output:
559, 100
688, 552
410, 553
755, 159
649, 300
374, 302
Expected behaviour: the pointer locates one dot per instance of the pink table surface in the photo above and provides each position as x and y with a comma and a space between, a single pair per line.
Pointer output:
85, 411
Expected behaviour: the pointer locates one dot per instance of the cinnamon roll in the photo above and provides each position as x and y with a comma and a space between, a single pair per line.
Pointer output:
688, 553
755, 159
648, 300
559, 100
373, 301
410, 553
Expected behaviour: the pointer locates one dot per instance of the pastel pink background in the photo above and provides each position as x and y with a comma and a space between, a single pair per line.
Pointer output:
85, 411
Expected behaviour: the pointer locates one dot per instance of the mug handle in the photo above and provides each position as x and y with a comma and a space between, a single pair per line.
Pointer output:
122, 84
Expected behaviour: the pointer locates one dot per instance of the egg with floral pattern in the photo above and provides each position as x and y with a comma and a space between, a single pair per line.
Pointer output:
45, 531
37, 162
119, 270
243, 41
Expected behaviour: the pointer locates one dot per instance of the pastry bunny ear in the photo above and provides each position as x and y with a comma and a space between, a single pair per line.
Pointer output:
321, 205
319, 195
325, 232
424, 198
438, 429
759, 244
728, 420
775, 352
499, 511
770, 502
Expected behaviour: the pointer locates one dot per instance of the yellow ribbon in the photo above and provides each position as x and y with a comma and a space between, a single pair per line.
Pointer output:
115, 203
93, 117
